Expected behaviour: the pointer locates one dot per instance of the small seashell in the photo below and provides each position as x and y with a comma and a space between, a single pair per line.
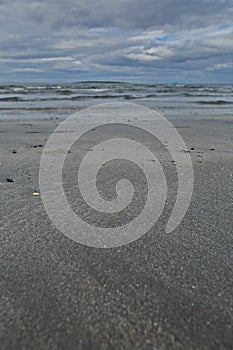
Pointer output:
36, 194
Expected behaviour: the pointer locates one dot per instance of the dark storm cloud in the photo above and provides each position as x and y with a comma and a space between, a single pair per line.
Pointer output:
123, 13
131, 38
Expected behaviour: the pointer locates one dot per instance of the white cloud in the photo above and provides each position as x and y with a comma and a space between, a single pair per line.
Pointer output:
220, 66
26, 70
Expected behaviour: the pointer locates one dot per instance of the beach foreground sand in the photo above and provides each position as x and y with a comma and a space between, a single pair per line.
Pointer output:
164, 291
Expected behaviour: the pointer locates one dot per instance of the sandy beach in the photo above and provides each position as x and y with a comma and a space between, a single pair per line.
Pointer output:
116, 175
163, 291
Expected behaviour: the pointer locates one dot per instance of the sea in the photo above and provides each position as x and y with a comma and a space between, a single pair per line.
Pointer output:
18, 101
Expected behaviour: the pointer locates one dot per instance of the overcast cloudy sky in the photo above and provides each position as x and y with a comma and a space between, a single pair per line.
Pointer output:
127, 40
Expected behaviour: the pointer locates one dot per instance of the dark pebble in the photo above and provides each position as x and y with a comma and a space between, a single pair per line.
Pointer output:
10, 180
14, 151
35, 146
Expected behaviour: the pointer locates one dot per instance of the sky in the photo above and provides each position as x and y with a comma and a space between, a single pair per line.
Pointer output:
183, 41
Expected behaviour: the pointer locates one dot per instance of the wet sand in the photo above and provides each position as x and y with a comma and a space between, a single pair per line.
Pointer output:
164, 291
